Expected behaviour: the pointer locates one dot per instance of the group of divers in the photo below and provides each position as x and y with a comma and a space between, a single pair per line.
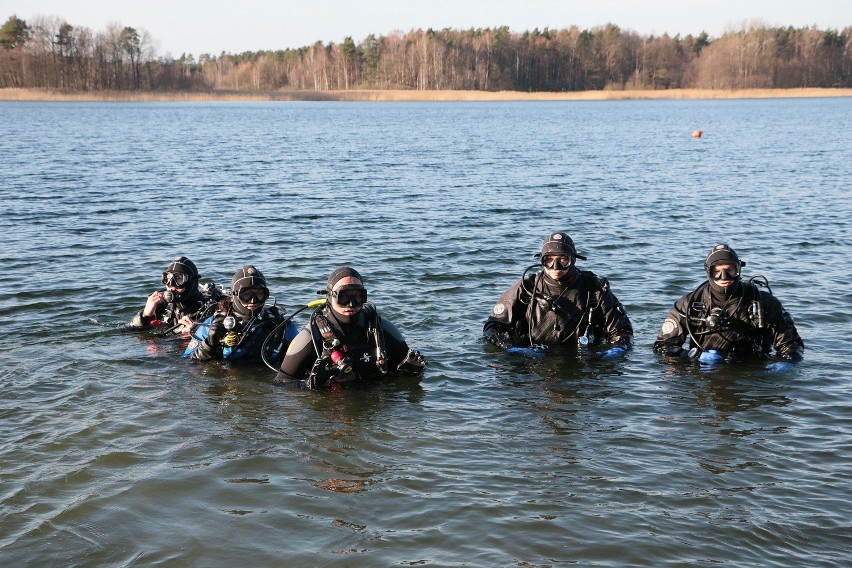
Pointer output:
554, 303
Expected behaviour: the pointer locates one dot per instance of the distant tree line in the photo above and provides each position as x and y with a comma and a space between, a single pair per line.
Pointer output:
48, 52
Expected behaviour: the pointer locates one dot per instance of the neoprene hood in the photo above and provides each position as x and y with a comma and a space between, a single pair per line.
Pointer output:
559, 244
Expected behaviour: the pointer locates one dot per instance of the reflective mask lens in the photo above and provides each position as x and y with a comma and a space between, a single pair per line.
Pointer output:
352, 297
253, 295
175, 279
556, 262
725, 272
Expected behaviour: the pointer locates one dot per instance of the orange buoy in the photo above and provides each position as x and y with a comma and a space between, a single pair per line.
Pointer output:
697, 133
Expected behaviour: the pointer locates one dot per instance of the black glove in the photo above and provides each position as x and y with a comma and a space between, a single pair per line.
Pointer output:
535, 351
677, 352
320, 376
412, 364
501, 339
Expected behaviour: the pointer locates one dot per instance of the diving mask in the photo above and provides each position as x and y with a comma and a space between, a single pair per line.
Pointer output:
354, 296
176, 279
557, 262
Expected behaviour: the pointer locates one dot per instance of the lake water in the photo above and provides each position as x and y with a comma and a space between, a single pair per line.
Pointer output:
116, 452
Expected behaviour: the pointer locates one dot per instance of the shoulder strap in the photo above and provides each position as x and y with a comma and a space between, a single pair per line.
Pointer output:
594, 284
322, 332
756, 310
374, 325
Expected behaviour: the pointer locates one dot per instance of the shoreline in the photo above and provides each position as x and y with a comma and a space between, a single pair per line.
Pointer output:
377, 95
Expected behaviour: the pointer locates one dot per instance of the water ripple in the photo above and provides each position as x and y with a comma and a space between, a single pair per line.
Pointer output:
128, 455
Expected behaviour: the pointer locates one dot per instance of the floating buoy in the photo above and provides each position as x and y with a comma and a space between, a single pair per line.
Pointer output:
697, 133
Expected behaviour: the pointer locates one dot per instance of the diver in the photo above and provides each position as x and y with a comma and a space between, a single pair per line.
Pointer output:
346, 341
242, 323
559, 305
181, 304
726, 319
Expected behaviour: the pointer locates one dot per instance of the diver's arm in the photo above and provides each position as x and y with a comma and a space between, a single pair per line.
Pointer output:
499, 328
673, 332
497, 334
154, 307
211, 347
298, 360
617, 326
785, 337
401, 358
139, 321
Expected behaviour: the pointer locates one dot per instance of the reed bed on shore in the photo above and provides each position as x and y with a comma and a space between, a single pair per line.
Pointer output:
13, 94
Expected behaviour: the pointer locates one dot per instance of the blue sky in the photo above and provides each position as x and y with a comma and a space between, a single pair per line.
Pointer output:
213, 26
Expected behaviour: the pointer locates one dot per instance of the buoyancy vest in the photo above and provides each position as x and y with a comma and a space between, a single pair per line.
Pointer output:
711, 326
342, 360
244, 338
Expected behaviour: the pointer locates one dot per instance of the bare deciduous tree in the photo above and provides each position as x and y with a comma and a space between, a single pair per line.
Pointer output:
49, 52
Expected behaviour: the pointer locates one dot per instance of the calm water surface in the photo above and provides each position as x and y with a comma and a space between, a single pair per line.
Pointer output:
116, 452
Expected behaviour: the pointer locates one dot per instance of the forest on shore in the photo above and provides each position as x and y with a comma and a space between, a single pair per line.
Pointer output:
49, 53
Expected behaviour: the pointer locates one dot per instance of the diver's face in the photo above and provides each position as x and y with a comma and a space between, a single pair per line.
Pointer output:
724, 274
348, 296
556, 267
176, 281
253, 298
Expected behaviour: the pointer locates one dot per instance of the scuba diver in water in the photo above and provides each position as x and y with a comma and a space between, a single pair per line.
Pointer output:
180, 304
346, 340
559, 305
728, 319
242, 323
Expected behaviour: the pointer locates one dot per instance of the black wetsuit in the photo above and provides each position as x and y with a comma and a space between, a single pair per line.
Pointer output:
249, 334
540, 311
374, 347
197, 306
747, 322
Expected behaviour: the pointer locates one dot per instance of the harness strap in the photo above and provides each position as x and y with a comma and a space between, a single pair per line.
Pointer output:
327, 333
375, 328
752, 331
326, 339
593, 285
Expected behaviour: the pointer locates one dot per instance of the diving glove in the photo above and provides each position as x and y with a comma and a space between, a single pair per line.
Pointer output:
412, 364
710, 357
780, 366
500, 340
612, 353
526, 351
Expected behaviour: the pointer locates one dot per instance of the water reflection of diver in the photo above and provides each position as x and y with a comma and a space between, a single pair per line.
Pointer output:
181, 303
726, 318
346, 340
728, 394
241, 323
559, 305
